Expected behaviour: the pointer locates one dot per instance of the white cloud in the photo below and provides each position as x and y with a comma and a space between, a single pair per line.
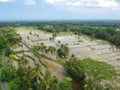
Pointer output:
7, 1
29, 2
86, 3
25, 2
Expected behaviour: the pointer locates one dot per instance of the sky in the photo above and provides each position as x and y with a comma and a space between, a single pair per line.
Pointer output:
13, 10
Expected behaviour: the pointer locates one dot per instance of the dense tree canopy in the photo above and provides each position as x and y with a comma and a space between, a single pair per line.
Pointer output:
8, 37
3, 42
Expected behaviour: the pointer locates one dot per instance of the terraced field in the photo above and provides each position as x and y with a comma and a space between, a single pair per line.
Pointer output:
80, 46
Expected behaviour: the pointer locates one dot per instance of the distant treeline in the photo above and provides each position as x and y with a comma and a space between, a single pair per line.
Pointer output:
107, 33
109, 23
105, 30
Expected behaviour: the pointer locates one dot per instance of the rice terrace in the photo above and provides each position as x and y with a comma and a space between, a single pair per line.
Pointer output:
59, 45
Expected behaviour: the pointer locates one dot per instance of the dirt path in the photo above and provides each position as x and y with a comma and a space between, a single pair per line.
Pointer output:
56, 69
3, 86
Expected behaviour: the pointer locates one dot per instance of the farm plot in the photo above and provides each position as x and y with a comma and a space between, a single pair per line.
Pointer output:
80, 46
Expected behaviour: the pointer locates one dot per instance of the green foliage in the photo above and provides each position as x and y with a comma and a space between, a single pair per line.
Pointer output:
15, 84
0, 87
98, 70
51, 49
8, 37
89, 73
30, 33
54, 36
7, 74
115, 39
34, 79
3, 42
49, 82
65, 84
9, 34
25, 78
0, 60
8, 51
63, 51
106, 33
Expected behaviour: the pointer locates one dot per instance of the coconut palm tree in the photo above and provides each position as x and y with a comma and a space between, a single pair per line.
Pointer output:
27, 78
43, 48
51, 49
37, 75
48, 82
63, 51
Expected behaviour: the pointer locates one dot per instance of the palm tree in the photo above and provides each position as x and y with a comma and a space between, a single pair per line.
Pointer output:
51, 49
73, 57
43, 48
63, 51
37, 75
48, 82
66, 50
27, 78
